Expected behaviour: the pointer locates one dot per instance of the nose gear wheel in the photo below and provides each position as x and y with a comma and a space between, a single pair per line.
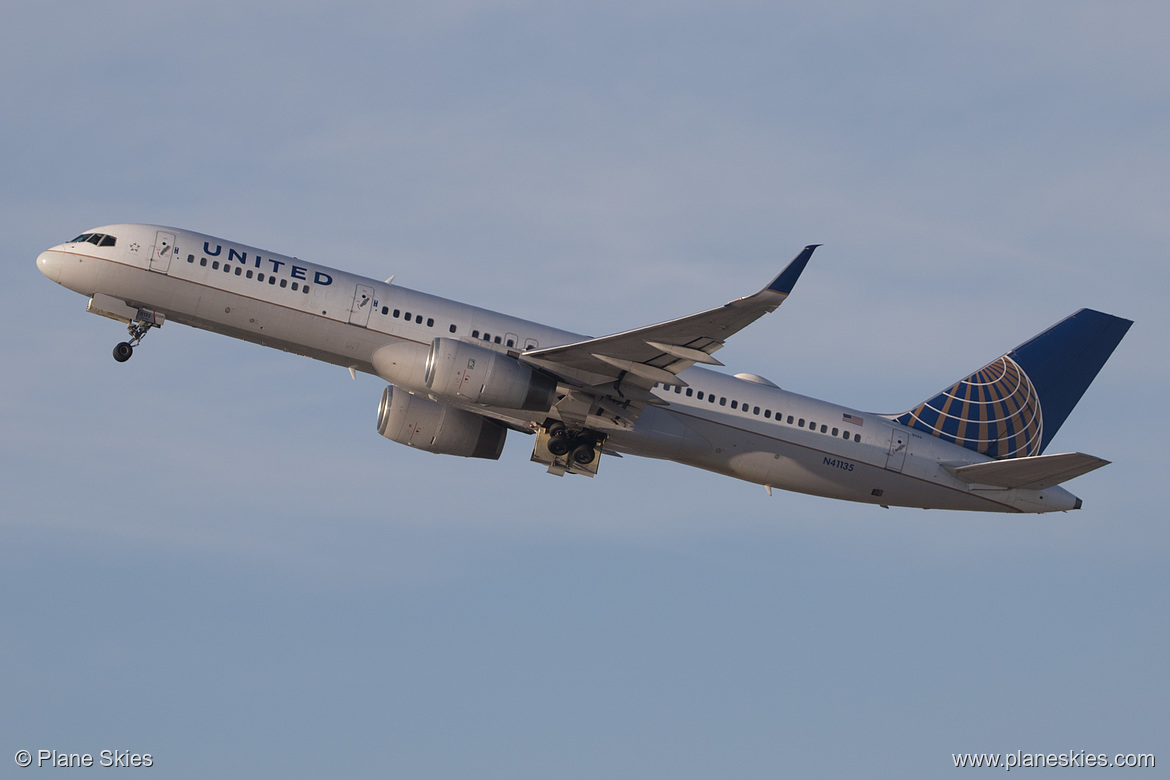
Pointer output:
137, 330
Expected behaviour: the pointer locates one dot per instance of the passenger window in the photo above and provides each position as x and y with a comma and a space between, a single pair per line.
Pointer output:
451, 328
227, 269
249, 274
475, 334
733, 405
385, 310
284, 282
406, 316
215, 266
190, 258
418, 319
497, 339
723, 401
511, 343
305, 289
295, 286
834, 431
690, 391
700, 396
710, 398
790, 420
239, 271
756, 410
260, 277
824, 429
430, 322
203, 261
272, 280
678, 388
487, 336
768, 413
799, 424
857, 437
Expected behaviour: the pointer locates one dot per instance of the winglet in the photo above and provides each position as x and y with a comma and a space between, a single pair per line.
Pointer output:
787, 278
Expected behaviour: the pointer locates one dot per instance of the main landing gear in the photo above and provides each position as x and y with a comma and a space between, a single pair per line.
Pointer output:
137, 331
581, 445
567, 451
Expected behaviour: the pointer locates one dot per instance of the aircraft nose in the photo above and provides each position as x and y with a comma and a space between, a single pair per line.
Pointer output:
50, 262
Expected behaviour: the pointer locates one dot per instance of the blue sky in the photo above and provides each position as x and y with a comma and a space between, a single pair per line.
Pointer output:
209, 555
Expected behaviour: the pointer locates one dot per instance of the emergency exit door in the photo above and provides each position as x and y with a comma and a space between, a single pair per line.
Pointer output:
363, 302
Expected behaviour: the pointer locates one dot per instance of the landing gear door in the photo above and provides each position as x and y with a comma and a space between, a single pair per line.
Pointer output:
162, 252
363, 302
899, 443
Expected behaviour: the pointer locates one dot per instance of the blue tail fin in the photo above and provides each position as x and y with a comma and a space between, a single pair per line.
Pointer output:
1013, 406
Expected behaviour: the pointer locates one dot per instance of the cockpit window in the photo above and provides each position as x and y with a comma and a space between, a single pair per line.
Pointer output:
97, 239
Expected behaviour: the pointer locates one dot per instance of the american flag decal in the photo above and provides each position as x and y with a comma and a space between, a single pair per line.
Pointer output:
852, 418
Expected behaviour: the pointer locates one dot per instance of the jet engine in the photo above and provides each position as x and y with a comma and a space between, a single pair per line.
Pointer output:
456, 369
434, 427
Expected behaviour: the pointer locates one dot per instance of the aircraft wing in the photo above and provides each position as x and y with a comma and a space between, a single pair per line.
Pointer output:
625, 366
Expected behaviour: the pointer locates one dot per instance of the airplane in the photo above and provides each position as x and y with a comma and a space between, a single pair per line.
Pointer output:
461, 377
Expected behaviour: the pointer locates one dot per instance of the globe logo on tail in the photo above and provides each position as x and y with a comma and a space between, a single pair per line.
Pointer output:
995, 411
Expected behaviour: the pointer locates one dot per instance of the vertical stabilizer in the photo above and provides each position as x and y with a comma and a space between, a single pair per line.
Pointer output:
1013, 406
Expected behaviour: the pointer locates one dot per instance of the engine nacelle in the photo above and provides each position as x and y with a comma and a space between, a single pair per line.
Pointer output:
458, 370
403, 364
434, 427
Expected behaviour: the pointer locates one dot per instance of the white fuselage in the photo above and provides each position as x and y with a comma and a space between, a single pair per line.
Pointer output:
739, 427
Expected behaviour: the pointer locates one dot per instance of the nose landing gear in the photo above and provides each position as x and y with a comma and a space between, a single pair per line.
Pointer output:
138, 321
137, 330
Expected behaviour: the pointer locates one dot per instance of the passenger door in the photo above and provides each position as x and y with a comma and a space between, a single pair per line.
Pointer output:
162, 252
899, 442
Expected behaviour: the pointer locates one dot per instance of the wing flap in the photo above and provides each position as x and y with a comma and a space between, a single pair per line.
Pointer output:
1033, 473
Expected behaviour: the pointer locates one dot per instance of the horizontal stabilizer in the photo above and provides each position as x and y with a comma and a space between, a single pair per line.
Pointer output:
1034, 473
